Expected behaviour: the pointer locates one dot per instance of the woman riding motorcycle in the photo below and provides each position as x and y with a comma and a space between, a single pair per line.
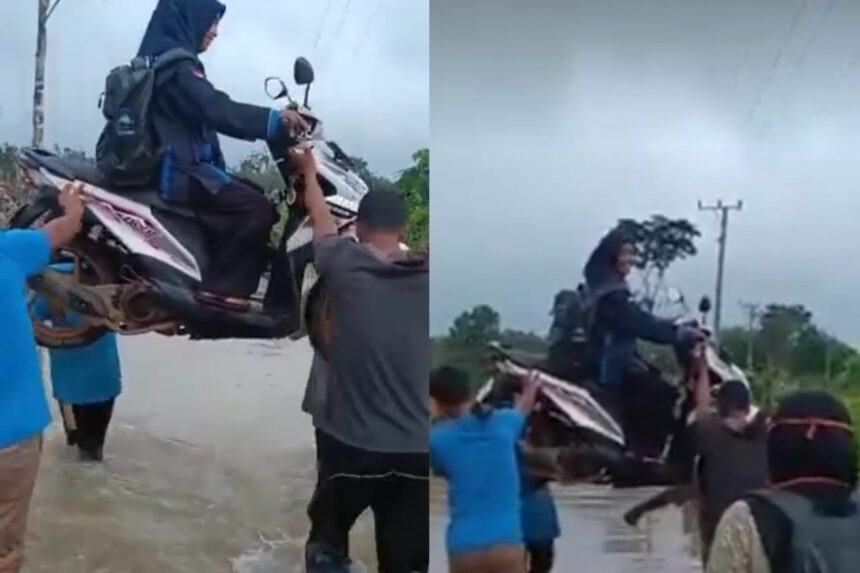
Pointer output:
188, 113
626, 384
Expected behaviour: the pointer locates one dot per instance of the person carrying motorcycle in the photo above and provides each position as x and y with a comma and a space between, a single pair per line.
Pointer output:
188, 114
615, 323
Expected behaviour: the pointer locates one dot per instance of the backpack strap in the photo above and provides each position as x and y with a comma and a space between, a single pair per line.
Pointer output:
170, 57
164, 65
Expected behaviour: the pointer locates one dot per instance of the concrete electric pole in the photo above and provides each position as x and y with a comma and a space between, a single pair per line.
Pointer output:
723, 209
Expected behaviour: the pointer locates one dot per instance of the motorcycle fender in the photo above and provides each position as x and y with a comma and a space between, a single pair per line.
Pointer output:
309, 279
45, 200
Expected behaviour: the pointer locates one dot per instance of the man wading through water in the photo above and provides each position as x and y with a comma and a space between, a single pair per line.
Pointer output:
731, 446
372, 444
732, 453
24, 413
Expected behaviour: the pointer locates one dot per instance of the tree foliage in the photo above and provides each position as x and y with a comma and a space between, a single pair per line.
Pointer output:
414, 183
786, 344
465, 346
788, 350
259, 168
478, 326
659, 242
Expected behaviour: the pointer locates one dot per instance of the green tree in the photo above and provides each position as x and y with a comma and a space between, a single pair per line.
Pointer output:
374, 182
466, 344
259, 168
849, 377
659, 242
529, 342
781, 328
9, 164
414, 183
478, 326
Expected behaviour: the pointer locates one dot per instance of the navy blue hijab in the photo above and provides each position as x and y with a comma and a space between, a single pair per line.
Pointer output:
601, 274
179, 24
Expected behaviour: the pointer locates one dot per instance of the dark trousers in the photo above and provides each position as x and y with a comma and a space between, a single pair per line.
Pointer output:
541, 556
86, 426
238, 220
395, 487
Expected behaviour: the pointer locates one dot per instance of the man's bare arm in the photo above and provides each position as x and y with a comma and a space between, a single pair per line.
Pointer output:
702, 387
323, 221
527, 398
62, 230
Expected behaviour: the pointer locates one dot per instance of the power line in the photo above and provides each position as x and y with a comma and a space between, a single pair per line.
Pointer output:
322, 25
777, 59
337, 30
723, 209
51, 10
366, 30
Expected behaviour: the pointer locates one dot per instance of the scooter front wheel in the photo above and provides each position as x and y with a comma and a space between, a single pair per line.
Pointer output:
318, 319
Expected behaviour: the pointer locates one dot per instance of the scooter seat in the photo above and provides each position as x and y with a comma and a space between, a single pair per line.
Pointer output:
80, 169
68, 167
153, 200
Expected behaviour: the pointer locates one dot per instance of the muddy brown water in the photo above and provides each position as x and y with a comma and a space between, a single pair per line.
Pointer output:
209, 468
594, 536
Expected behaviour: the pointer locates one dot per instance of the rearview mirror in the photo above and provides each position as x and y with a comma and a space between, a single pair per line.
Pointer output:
705, 305
303, 72
276, 88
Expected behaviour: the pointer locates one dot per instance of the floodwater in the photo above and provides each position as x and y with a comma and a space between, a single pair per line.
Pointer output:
209, 467
595, 537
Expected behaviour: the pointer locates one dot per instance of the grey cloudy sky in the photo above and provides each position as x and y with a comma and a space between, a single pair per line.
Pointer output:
371, 60
551, 120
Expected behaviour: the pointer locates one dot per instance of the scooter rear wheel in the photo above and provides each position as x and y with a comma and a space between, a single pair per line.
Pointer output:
88, 265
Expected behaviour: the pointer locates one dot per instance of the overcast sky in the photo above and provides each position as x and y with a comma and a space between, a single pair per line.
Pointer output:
551, 120
371, 59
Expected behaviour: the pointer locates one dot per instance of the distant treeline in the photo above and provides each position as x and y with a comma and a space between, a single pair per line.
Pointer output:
785, 349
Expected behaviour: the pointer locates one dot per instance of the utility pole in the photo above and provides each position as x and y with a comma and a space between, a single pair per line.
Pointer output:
46, 8
753, 311
723, 209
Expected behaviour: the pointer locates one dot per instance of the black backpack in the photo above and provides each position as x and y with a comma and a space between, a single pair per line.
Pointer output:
128, 152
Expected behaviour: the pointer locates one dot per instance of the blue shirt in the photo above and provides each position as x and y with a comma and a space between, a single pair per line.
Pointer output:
478, 458
83, 375
539, 515
23, 408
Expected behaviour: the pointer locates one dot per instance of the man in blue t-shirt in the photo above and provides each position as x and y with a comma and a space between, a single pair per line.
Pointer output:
474, 449
23, 408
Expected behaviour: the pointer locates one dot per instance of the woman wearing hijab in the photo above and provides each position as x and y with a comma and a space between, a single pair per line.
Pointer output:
625, 382
188, 114
617, 321
807, 521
